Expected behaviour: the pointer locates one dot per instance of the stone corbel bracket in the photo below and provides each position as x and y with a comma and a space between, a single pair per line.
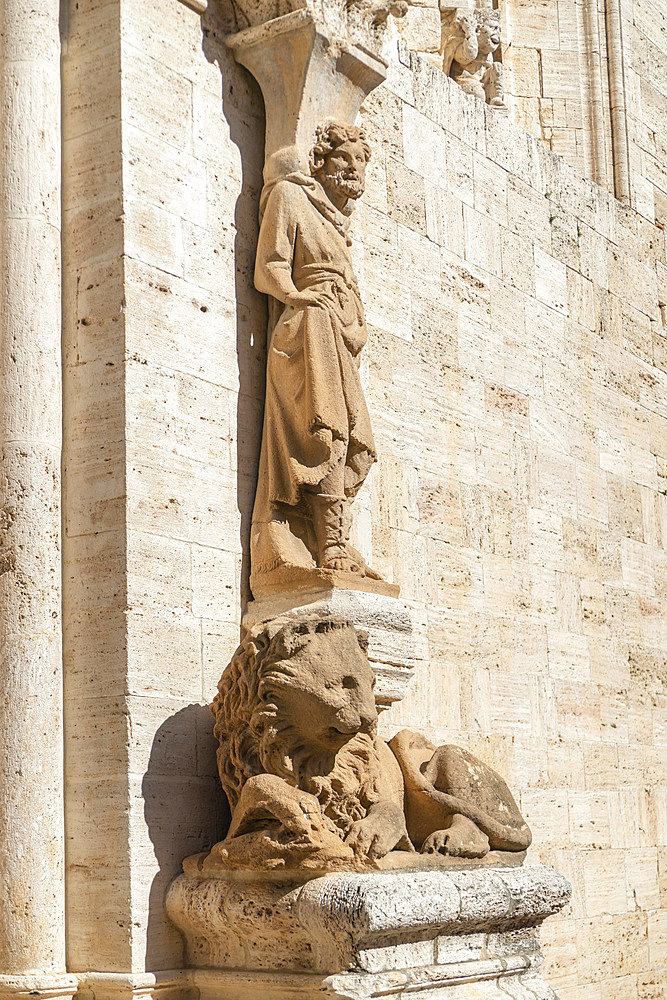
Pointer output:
306, 75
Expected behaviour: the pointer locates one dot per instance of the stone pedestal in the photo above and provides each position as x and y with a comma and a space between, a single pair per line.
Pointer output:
431, 932
397, 630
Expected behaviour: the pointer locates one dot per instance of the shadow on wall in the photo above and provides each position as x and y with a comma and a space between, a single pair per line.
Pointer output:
183, 753
243, 110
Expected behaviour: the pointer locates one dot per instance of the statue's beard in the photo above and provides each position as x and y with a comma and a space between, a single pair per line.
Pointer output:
351, 187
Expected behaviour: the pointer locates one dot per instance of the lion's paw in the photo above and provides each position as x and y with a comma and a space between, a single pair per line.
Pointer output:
462, 839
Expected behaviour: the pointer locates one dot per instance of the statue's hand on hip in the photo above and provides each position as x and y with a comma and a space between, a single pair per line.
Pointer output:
308, 297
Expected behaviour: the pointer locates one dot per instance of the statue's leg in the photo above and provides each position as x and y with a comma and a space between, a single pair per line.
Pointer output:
329, 524
328, 505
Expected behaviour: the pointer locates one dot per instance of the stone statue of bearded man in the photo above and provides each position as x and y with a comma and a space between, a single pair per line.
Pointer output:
317, 445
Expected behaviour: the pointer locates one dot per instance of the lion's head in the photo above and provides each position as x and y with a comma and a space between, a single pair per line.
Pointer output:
297, 701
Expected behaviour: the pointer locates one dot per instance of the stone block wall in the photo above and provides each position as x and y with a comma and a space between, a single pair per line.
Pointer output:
558, 55
517, 380
526, 481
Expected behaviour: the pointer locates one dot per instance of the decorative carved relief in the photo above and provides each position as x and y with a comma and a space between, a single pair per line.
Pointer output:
317, 445
345, 17
470, 39
310, 783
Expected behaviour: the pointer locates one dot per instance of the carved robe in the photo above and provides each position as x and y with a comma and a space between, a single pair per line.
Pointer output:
315, 409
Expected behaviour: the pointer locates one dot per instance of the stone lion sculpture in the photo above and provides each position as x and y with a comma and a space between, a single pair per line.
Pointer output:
309, 782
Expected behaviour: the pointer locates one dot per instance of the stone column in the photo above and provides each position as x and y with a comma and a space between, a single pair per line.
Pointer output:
32, 931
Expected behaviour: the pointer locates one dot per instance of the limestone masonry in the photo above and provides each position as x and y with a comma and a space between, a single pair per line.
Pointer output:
471, 516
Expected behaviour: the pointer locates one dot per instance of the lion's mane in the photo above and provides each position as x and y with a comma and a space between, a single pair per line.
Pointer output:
256, 737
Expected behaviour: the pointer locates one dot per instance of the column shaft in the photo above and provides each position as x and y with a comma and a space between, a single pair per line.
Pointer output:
32, 933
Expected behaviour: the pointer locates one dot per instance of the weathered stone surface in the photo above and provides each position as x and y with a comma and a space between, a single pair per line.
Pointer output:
32, 836
371, 934
438, 782
47, 986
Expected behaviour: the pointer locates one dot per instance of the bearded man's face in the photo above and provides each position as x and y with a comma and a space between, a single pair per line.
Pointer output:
344, 170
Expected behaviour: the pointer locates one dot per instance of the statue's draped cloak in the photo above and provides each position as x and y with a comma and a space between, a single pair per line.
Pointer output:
315, 409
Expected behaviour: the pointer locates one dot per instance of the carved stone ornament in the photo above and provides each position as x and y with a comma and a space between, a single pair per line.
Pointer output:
310, 784
361, 20
317, 444
470, 39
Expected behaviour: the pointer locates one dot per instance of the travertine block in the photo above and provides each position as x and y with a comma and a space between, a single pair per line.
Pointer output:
532, 30
528, 212
406, 196
551, 281
425, 144
159, 102
547, 812
179, 178
93, 103
524, 72
178, 46
171, 640
102, 937
155, 238
215, 583
421, 28
490, 189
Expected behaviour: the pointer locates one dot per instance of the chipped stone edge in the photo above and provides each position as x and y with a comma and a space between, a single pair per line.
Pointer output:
368, 907
199, 6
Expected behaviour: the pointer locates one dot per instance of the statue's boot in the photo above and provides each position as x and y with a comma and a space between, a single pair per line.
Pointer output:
328, 515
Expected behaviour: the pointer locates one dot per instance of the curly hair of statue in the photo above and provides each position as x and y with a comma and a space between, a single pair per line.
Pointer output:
332, 134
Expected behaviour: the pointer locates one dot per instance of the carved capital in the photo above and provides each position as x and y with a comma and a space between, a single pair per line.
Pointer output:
307, 74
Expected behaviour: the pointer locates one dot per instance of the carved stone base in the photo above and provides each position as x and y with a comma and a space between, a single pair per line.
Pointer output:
167, 984
494, 979
436, 933
396, 629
